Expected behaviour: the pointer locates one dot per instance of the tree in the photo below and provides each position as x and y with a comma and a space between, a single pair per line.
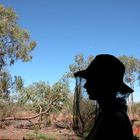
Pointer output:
19, 84
5, 84
132, 70
132, 74
79, 64
15, 44
42, 98
14, 41
40, 93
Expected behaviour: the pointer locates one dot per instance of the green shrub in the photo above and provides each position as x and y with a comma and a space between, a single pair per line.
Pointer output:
40, 136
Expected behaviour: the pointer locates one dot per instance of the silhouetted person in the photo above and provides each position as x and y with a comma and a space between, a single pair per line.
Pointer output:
104, 83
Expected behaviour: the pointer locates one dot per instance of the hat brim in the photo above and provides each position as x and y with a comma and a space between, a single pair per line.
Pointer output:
123, 87
82, 74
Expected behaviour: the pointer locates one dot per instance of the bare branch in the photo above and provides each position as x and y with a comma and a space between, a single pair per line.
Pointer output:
35, 116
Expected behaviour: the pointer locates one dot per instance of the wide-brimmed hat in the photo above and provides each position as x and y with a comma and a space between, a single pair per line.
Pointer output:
109, 67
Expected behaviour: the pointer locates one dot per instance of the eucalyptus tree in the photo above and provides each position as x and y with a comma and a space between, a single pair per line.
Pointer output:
80, 63
5, 84
132, 71
15, 42
19, 83
39, 94
132, 74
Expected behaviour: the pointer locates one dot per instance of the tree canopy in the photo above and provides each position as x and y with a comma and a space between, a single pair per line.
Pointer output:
15, 44
14, 41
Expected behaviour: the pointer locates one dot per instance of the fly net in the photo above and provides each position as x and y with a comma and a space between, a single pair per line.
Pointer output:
84, 110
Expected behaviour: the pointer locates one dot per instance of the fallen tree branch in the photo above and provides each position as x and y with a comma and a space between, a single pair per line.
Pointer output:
35, 116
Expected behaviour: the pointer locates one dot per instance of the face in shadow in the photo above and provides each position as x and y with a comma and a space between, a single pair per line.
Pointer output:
93, 88
99, 87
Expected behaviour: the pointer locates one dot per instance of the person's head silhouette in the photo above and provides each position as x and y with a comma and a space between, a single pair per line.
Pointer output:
104, 76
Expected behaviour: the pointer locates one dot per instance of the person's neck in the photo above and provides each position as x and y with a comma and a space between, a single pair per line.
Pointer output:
108, 104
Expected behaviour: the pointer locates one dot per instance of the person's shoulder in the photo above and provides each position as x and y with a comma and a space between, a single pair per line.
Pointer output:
121, 114
117, 116
121, 118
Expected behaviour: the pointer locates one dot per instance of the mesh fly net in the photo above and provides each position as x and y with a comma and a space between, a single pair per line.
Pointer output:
84, 110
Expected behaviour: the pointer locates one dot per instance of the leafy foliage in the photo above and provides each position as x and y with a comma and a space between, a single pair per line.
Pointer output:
14, 41
5, 84
79, 64
15, 44
39, 95
132, 66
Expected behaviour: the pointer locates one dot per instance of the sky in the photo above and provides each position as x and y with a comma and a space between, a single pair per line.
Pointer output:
65, 28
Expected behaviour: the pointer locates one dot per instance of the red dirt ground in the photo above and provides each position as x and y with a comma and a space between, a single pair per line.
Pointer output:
11, 133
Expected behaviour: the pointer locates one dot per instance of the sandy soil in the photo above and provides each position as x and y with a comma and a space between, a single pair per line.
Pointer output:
11, 133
